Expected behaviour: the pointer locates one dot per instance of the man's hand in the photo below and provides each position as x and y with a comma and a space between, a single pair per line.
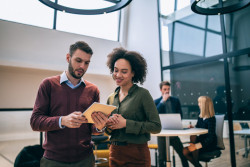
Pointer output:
99, 119
165, 96
116, 122
190, 126
74, 120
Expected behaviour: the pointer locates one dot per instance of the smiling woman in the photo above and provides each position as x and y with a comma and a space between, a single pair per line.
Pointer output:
136, 115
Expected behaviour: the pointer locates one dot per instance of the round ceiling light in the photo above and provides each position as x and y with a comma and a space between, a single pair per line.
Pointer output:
119, 4
217, 7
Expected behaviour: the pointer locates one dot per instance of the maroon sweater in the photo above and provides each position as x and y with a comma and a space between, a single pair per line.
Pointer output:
55, 100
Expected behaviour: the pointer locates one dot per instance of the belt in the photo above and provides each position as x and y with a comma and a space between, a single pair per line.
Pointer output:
118, 143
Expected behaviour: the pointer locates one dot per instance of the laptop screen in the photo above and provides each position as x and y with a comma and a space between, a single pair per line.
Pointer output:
171, 121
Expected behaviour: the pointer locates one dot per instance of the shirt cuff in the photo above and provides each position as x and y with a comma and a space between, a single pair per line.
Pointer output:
60, 123
198, 146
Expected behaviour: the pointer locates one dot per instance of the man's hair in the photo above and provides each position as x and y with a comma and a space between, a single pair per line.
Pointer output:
164, 83
135, 59
207, 107
82, 46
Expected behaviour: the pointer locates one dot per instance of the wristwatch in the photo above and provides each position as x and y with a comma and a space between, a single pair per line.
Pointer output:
102, 130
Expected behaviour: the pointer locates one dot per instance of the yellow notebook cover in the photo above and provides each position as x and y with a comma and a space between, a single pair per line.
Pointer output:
104, 108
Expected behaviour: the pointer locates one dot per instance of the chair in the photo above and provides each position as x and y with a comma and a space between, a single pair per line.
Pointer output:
155, 147
207, 156
244, 126
101, 149
102, 154
29, 156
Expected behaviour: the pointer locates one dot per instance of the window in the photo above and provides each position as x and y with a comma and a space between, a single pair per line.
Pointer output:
33, 12
166, 6
101, 26
30, 12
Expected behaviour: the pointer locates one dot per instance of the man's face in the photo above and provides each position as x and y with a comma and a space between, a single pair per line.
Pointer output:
78, 63
165, 89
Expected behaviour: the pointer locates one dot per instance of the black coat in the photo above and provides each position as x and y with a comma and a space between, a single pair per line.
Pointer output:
209, 140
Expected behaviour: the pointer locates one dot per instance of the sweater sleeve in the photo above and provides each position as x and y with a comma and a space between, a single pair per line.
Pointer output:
40, 119
160, 106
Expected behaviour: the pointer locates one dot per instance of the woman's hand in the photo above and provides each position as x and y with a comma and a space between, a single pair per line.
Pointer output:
116, 122
99, 119
113, 120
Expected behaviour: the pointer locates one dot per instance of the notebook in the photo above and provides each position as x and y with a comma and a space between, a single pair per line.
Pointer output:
171, 121
106, 109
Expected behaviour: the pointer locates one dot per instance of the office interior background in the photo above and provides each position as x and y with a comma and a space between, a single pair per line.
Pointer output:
179, 45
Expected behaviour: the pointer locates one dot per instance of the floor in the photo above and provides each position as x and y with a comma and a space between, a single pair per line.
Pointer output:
10, 149
224, 160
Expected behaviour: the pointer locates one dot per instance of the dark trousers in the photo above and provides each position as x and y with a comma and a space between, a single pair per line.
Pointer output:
176, 143
87, 162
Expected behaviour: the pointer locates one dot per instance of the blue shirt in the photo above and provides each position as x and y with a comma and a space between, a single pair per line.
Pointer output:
64, 78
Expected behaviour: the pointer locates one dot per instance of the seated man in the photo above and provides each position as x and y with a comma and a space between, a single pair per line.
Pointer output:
169, 104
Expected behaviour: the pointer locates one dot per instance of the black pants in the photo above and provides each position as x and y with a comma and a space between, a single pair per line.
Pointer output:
175, 142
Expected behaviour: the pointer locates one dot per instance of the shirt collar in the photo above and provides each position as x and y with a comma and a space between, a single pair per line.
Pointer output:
64, 78
131, 90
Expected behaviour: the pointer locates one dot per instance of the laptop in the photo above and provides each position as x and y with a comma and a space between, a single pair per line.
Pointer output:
171, 121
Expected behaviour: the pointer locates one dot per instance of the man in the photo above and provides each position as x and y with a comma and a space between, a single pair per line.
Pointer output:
58, 112
169, 104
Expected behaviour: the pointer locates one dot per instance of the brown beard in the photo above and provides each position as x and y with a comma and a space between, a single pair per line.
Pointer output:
72, 73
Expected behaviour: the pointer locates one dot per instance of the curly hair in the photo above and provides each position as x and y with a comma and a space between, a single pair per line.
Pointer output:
135, 59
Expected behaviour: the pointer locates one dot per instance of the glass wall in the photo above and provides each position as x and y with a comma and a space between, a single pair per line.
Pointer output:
190, 82
240, 90
196, 37
198, 61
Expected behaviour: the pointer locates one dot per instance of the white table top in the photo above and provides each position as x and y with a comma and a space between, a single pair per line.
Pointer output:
191, 131
242, 132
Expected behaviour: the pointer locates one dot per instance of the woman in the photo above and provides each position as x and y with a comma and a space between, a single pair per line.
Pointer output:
205, 142
136, 115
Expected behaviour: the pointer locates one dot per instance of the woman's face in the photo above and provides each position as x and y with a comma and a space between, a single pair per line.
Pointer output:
123, 72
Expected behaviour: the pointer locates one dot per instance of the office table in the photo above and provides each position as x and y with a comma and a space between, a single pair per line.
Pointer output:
245, 132
186, 132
